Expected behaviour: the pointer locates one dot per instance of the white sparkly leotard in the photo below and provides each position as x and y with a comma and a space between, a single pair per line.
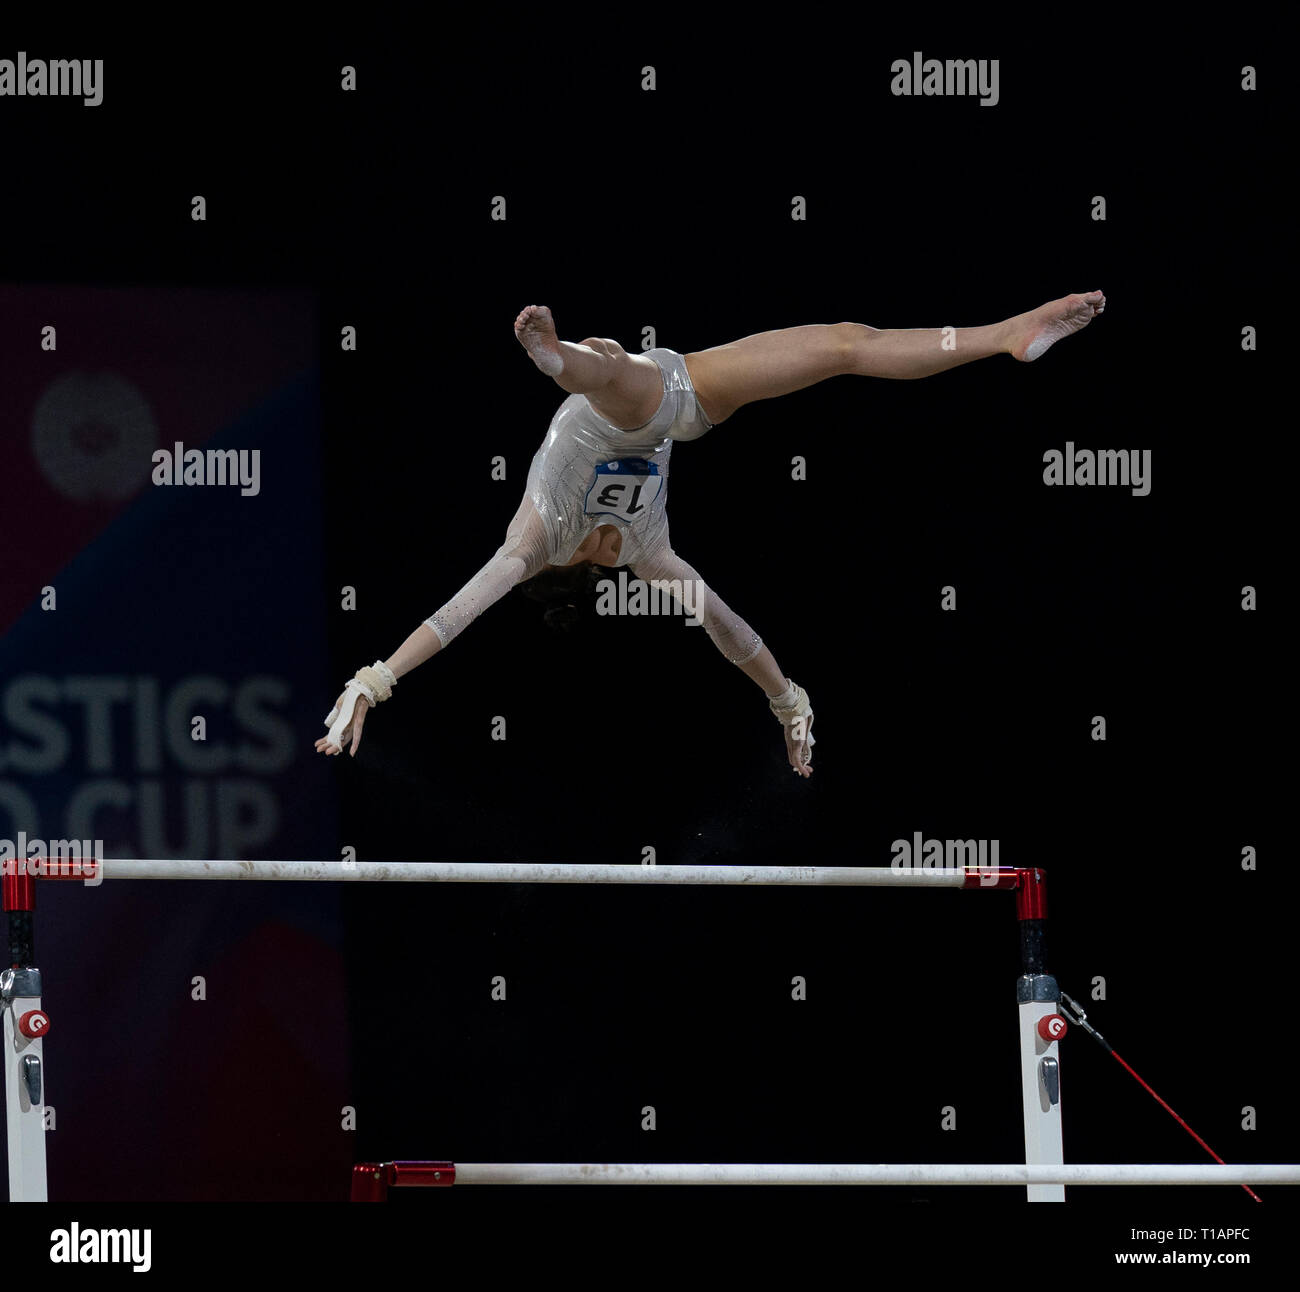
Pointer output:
588, 473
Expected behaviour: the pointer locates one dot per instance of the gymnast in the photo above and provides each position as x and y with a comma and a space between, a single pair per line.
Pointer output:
596, 494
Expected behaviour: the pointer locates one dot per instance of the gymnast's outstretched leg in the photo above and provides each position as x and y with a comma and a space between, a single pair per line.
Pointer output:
625, 389
769, 364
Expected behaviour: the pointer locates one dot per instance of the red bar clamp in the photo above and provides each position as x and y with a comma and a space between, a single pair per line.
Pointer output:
372, 1180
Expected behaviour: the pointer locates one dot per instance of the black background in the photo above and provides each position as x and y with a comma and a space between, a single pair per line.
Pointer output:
671, 209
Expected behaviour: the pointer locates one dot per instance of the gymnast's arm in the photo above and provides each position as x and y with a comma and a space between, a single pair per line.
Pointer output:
520, 557
740, 645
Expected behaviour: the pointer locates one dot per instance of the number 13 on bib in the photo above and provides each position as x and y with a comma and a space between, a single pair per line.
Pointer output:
624, 488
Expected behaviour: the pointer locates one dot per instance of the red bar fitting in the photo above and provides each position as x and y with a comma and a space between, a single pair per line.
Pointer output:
86, 868
1031, 893
21, 873
1029, 883
18, 886
994, 877
422, 1175
372, 1180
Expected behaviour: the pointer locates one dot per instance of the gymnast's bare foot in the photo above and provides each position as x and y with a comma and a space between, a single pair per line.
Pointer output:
1030, 335
536, 332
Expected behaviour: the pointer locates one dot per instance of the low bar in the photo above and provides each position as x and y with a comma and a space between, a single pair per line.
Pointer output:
676, 1173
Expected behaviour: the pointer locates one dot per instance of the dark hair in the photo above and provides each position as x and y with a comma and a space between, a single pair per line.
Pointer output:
569, 593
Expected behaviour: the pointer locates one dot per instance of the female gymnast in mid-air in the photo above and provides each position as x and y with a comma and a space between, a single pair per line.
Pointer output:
597, 487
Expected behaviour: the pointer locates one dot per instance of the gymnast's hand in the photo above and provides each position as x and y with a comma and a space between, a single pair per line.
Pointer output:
794, 712
798, 745
352, 732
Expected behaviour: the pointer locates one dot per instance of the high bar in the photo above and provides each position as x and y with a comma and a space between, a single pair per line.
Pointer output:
1016, 1173
488, 872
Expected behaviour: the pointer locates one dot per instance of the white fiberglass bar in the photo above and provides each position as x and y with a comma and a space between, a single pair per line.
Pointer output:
468, 872
919, 1174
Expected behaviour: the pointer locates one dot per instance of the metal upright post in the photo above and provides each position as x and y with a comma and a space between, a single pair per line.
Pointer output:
25, 1025
1041, 1027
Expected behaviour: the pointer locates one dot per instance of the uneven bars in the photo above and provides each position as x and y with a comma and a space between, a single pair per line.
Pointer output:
376, 1176
468, 872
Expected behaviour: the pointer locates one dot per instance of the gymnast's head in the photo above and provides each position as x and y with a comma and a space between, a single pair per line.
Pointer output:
569, 593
